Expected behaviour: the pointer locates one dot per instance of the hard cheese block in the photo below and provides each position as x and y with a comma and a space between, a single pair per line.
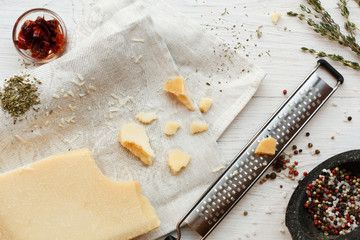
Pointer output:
66, 197
198, 127
134, 138
205, 104
178, 87
266, 146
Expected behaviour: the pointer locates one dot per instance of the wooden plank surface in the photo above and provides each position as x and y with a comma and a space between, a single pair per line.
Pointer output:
285, 65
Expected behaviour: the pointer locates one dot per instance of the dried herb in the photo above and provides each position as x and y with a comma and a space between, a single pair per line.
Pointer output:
19, 95
325, 25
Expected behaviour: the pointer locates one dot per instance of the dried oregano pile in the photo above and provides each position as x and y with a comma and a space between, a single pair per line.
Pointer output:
19, 94
322, 23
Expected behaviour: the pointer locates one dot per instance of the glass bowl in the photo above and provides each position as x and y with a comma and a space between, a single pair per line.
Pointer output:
32, 14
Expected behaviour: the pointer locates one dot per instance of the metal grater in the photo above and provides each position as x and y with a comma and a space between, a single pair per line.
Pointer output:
247, 167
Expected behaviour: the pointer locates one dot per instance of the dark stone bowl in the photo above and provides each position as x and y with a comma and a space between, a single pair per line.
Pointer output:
298, 220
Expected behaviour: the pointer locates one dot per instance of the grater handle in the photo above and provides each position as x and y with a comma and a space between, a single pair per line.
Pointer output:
331, 70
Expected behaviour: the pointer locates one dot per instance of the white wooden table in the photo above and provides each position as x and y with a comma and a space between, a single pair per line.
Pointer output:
285, 65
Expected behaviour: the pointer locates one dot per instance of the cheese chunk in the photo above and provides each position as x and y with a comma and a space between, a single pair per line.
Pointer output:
275, 18
266, 146
205, 104
177, 160
171, 128
178, 87
146, 117
66, 197
134, 138
198, 127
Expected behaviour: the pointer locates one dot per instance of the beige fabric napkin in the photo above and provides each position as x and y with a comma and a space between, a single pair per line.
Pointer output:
89, 93
209, 68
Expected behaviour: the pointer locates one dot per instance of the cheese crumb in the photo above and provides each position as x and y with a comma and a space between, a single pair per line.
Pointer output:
72, 108
266, 146
198, 127
177, 160
171, 128
89, 108
134, 138
138, 40
205, 104
71, 94
178, 87
275, 18
146, 117
56, 96
218, 169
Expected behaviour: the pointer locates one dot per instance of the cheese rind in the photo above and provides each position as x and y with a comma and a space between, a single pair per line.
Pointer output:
133, 137
205, 104
178, 87
177, 160
198, 127
266, 146
66, 197
171, 128
146, 117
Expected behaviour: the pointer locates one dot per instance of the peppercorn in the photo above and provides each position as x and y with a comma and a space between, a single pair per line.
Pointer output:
245, 213
332, 137
317, 151
307, 134
273, 175
284, 91
310, 145
300, 150
267, 176
296, 152
281, 186
294, 147
349, 118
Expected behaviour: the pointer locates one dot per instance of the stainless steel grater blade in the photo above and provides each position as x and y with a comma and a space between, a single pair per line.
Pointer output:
247, 167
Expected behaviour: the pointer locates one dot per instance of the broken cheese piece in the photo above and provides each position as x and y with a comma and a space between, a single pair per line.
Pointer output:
178, 87
177, 160
198, 127
66, 197
171, 128
275, 18
134, 138
146, 117
266, 146
205, 104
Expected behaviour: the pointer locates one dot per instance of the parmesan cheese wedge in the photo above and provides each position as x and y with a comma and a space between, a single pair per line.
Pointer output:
66, 197
205, 104
198, 127
266, 146
146, 117
177, 160
171, 128
134, 138
178, 87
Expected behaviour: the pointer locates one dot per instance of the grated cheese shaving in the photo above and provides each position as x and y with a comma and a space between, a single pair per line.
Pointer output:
114, 96
71, 94
109, 126
77, 83
114, 109
20, 139
89, 108
62, 90
65, 95
138, 40
70, 141
71, 119
56, 96
218, 169
25, 168
92, 88
124, 101
81, 78
47, 123
138, 59
72, 108
81, 94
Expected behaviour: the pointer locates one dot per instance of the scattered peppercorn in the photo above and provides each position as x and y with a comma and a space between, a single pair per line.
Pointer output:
317, 151
349, 118
281, 186
245, 213
310, 145
332, 137
273, 175
294, 147
307, 134
300, 150
305, 173
284, 91
267, 176
296, 152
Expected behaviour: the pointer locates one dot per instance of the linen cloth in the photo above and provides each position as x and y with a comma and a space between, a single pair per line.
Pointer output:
90, 92
209, 67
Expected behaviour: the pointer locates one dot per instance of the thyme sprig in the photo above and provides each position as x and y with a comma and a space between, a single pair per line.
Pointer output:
325, 25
